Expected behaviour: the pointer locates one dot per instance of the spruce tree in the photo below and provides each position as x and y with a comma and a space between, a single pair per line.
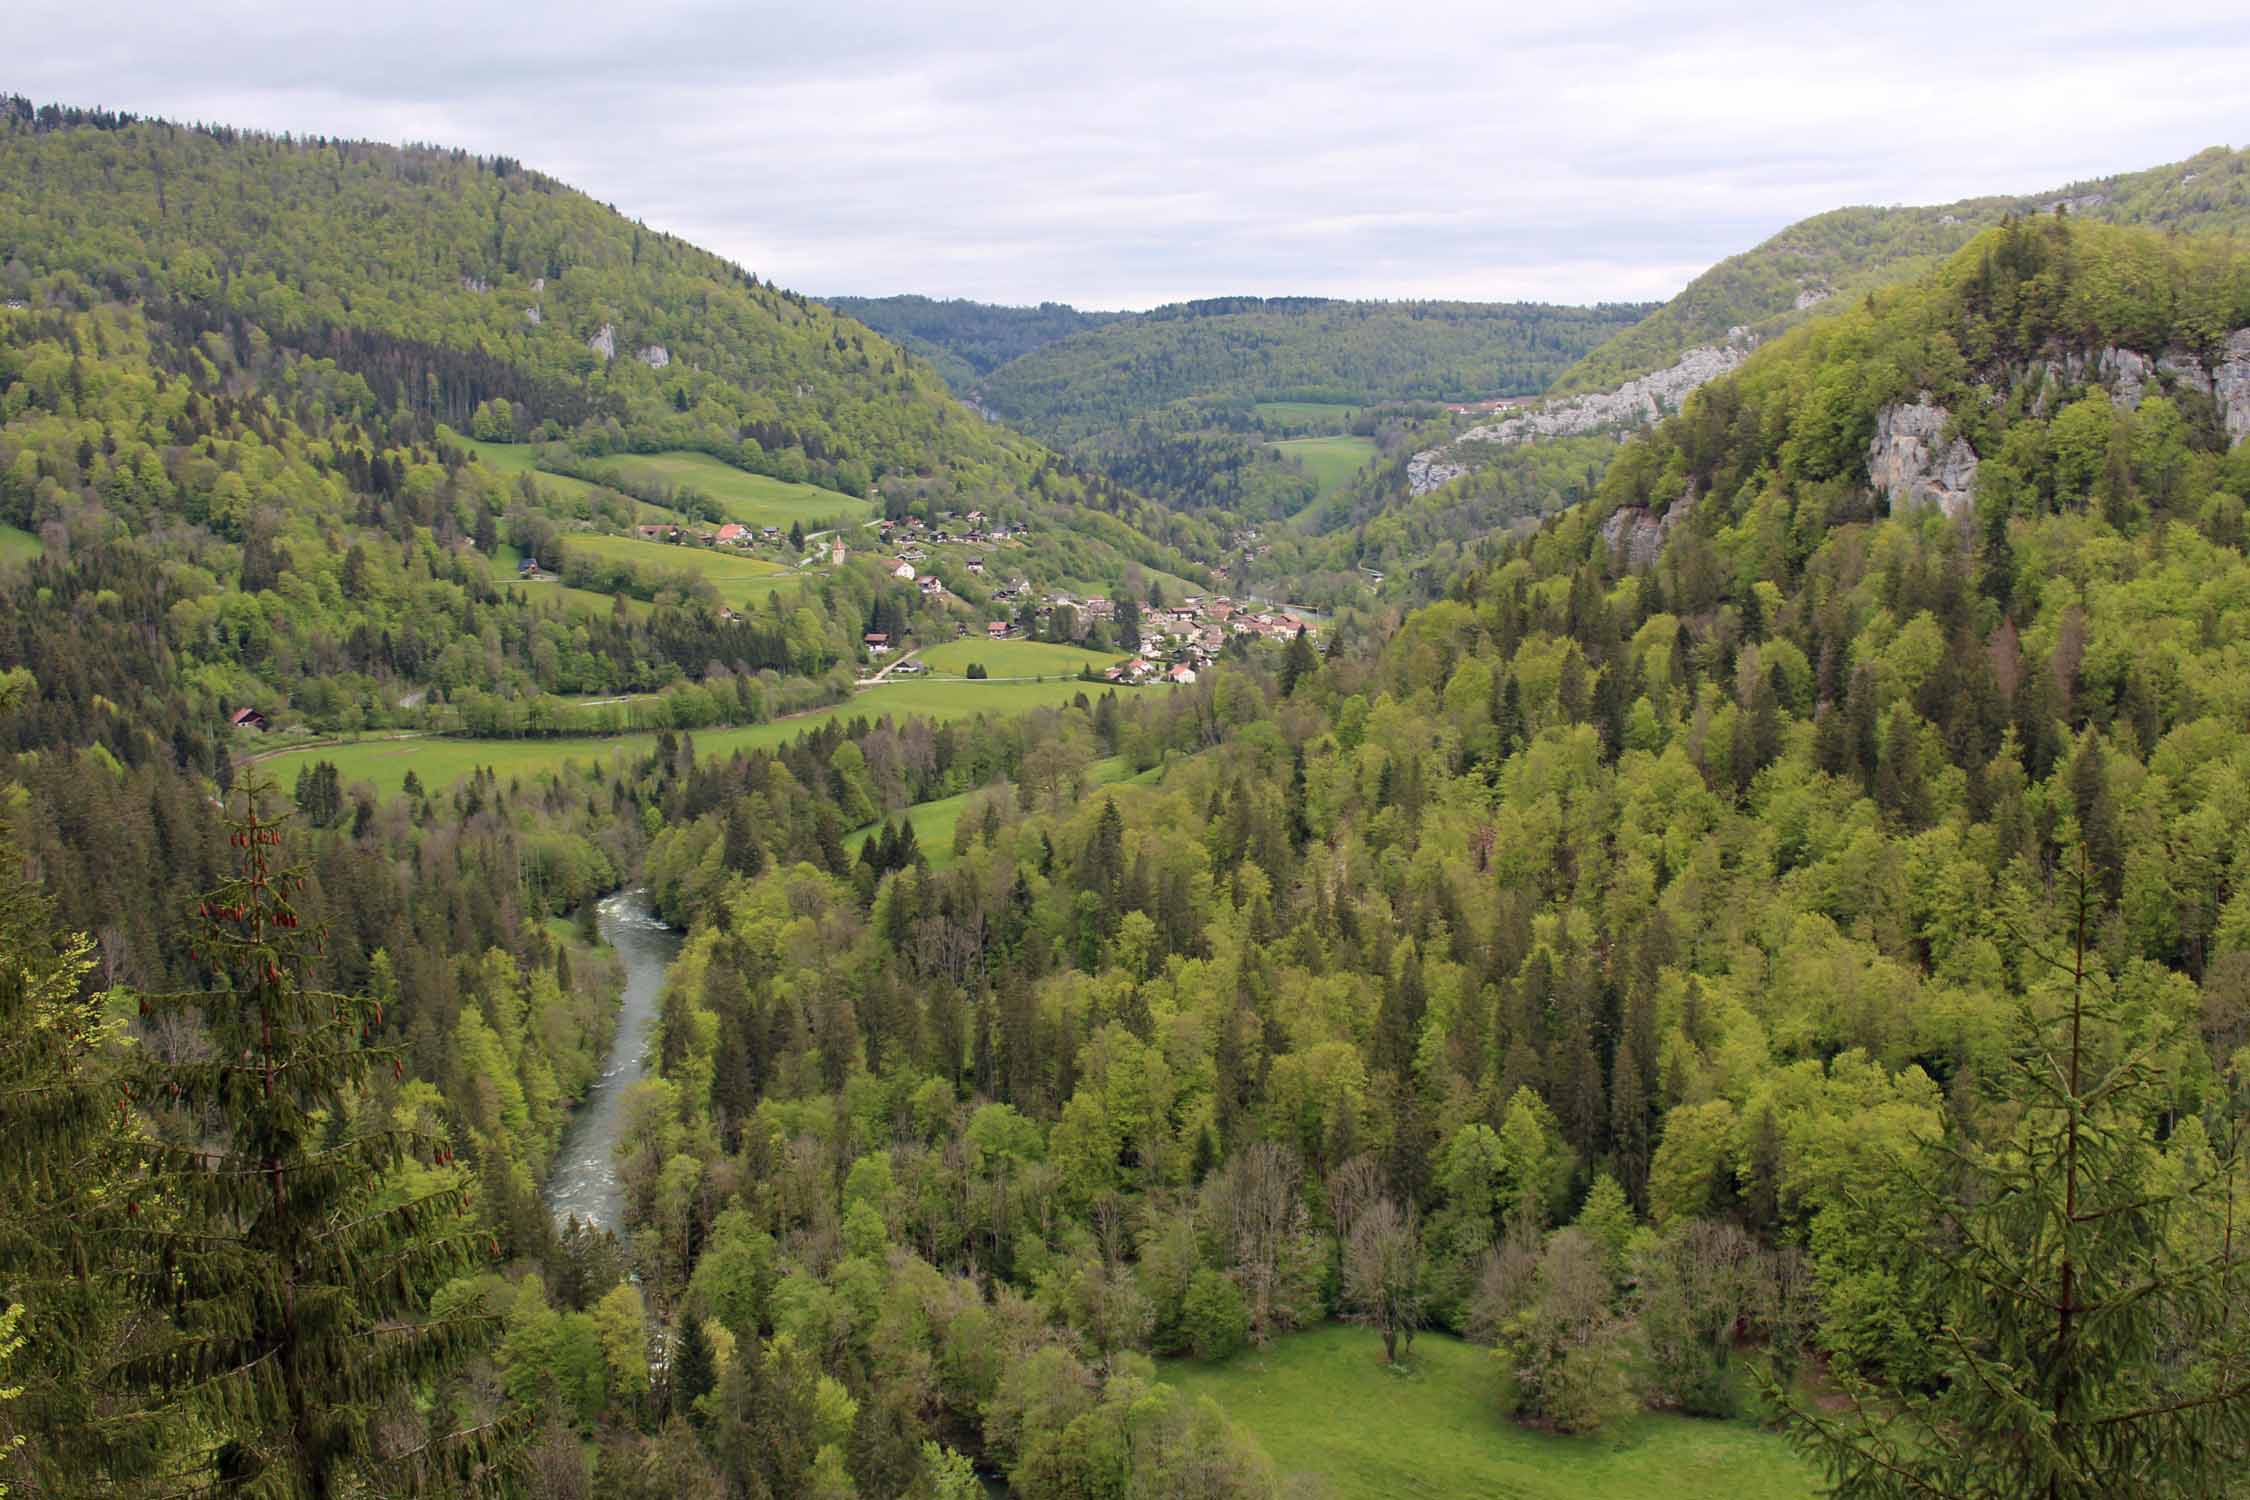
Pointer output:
694, 1369
295, 1278
2092, 1296
69, 1140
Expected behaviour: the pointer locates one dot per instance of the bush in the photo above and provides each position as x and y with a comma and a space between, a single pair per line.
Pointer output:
1214, 1317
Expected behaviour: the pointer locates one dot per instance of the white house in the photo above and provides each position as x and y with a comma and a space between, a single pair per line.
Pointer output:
904, 571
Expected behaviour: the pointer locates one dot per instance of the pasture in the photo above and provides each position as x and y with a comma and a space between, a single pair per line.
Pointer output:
752, 499
17, 545
1013, 658
1325, 1406
1329, 462
515, 459
741, 580
440, 761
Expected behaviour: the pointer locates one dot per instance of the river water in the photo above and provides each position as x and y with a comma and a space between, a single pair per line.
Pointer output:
584, 1181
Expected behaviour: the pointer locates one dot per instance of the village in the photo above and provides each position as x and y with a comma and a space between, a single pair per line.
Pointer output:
1164, 640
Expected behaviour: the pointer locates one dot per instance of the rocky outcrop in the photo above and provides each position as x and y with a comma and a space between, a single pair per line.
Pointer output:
475, 284
605, 342
1912, 465
2130, 376
1812, 296
655, 356
534, 316
1636, 403
1636, 536
1427, 471
2230, 386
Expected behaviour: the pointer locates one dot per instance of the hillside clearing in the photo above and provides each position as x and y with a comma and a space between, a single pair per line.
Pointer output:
17, 545
740, 580
1329, 462
752, 499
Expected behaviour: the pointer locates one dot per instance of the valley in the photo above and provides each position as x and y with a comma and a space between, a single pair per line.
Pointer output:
619, 880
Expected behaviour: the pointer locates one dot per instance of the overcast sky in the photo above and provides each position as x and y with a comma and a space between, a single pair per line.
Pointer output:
1137, 153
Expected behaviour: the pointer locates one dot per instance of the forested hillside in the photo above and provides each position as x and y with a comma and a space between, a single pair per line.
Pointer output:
967, 340
1834, 258
1205, 405
1294, 349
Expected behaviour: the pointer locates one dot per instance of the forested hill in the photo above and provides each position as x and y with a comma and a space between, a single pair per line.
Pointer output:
1834, 257
1291, 349
381, 256
968, 340
235, 375
444, 280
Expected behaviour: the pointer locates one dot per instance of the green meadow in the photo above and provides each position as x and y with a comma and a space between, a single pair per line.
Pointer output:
1341, 1424
584, 601
935, 821
1013, 658
440, 761
741, 580
752, 499
514, 459
17, 545
1329, 462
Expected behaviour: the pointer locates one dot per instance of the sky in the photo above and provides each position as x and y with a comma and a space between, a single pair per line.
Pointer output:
1139, 153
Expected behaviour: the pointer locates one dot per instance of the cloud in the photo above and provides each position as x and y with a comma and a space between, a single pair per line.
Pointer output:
1016, 151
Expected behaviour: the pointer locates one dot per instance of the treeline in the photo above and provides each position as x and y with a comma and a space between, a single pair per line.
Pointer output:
968, 340
1346, 352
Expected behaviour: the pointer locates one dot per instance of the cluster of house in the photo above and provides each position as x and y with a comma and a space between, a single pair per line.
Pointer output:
1140, 669
733, 534
974, 528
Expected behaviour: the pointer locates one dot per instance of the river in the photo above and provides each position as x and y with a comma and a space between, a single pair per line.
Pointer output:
584, 1181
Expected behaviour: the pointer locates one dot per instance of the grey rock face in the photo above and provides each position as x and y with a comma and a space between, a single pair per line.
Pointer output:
1636, 403
1911, 464
2230, 386
655, 356
534, 316
1637, 536
605, 342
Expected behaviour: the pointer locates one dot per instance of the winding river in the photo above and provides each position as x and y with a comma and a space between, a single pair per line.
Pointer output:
584, 1181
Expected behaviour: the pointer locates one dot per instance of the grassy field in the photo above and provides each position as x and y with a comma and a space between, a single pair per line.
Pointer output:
740, 579
1014, 658
440, 762
1296, 412
752, 499
1329, 461
585, 601
1323, 1404
19, 546
513, 459
935, 821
